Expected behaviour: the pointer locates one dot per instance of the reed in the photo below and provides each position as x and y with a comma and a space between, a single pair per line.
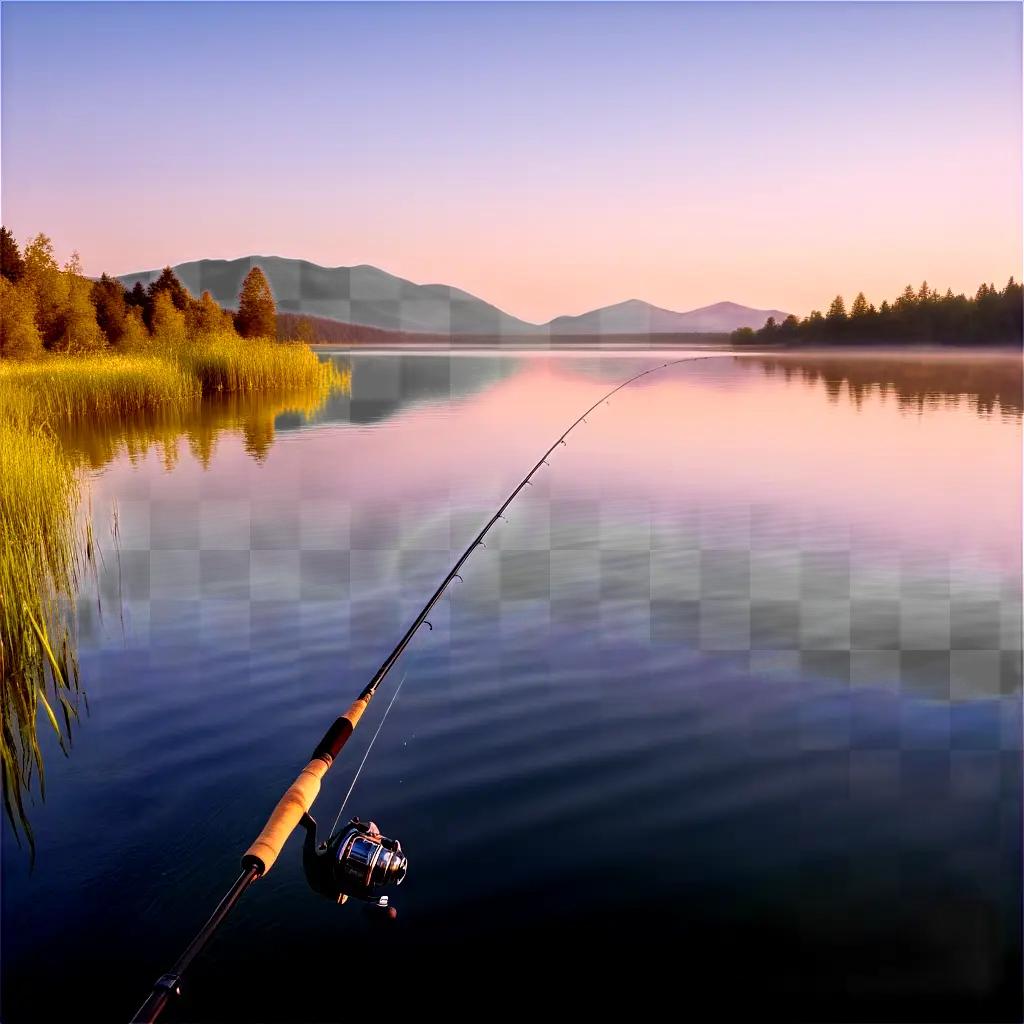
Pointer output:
101, 388
43, 548
226, 363
60, 411
63, 389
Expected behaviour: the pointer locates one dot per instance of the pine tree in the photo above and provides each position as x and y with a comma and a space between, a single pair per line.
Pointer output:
111, 310
166, 284
137, 296
257, 314
837, 311
992, 317
12, 266
908, 298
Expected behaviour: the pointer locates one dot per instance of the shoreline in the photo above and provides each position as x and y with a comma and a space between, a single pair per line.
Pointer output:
490, 346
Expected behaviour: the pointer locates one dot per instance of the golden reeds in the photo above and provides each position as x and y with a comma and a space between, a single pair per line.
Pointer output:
55, 413
41, 554
225, 362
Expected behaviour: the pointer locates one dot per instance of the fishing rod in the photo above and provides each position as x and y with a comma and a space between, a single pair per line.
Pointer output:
358, 860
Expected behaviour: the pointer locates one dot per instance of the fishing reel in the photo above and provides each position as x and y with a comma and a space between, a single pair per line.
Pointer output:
356, 861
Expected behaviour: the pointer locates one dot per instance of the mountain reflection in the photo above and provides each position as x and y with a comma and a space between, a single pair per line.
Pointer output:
380, 388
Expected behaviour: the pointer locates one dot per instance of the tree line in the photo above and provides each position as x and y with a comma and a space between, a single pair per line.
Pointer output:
922, 316
47, 307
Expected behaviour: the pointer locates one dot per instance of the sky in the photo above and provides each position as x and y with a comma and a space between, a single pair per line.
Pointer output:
550, 158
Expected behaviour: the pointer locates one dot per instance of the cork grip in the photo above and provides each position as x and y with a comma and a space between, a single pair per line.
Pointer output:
356, 709
297, 800
300, 795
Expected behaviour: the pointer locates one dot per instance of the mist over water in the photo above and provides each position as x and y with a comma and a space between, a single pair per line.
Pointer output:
726, 717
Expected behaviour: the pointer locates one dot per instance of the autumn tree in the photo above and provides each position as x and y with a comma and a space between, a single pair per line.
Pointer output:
12, 266
81, 332
19, 336
64, 314
134, 337
168, 321
166, 283
48, 286
205, 316
257, 314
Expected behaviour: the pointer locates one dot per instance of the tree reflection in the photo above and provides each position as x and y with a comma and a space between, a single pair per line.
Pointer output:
990, 384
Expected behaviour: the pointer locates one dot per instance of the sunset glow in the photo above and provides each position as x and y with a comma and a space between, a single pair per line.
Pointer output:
548, 158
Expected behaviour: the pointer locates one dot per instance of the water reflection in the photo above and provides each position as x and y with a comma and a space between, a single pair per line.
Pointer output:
385, 386
76, 605
991, 383
255, 416
770, 639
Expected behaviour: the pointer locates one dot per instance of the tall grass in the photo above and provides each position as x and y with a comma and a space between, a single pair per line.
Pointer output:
61, 389
225, 362
41, 553
55, 413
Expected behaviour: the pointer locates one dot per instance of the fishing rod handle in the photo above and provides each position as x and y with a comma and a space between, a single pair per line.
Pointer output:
297, 800
299, 796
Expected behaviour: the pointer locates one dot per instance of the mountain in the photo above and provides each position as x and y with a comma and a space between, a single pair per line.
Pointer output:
357, 295
636, 317
369, 297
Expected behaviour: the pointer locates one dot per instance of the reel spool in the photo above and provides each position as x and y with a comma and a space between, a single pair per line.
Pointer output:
356, 861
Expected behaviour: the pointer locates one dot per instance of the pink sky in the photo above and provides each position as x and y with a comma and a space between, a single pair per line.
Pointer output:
548, 158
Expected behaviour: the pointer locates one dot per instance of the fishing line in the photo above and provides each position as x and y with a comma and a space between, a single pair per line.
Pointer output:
355, 778
360, 848
478, 541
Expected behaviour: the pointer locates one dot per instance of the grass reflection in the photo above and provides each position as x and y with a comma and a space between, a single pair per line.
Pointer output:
47, 542
200, 423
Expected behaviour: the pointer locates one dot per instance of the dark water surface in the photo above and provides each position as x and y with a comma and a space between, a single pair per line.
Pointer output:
724, 723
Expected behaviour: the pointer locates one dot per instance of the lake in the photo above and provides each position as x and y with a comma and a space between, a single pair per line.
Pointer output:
724, 722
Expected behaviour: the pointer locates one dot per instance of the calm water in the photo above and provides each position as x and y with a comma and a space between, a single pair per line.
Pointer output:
727, 717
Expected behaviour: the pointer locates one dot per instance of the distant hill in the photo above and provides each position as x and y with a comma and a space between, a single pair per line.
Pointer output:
367, 297
354, 295
637, 317
335, 332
